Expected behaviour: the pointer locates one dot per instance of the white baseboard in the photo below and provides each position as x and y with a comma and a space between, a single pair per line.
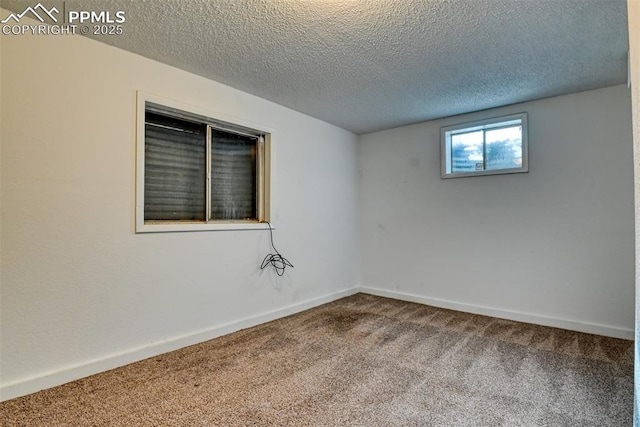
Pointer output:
590, 328
40, 382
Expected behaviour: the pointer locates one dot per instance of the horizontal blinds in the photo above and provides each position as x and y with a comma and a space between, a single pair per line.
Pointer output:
175, 169
192, 117
233, 176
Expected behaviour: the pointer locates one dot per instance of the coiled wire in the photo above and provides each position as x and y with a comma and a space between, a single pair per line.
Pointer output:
276, 260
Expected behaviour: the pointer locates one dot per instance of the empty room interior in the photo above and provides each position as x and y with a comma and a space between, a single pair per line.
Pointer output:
322, 212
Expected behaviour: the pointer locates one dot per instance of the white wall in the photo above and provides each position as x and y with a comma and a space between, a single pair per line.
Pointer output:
553, 246
633, 12
80, 291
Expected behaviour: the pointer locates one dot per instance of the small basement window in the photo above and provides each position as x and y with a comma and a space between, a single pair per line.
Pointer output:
197, 172
487, 147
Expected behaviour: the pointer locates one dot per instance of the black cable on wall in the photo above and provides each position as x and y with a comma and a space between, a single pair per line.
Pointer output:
275, 260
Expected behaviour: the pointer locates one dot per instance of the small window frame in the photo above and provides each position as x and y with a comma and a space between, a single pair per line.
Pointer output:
486, 124
264, 206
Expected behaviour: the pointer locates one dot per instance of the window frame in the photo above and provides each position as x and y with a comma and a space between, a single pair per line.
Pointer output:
486, 124
223, 121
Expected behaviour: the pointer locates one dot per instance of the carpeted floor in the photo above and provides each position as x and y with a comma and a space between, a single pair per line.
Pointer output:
359, 361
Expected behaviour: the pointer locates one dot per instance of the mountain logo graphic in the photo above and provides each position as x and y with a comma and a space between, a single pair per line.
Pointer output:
34, 11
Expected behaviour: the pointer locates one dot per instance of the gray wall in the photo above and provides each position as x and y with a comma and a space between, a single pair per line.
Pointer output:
552, 246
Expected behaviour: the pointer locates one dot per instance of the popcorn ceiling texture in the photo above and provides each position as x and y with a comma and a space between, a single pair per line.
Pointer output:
372, 65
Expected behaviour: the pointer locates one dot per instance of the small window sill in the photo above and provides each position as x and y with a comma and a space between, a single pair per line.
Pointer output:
484, 173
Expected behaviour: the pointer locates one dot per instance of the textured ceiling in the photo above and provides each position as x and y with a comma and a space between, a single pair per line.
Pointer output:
375, 64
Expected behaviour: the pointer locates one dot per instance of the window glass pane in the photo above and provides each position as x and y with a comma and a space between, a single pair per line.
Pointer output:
504, 148
174, 169
233, 176
466, 152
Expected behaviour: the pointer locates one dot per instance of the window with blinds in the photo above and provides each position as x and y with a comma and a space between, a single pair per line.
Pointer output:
200, 171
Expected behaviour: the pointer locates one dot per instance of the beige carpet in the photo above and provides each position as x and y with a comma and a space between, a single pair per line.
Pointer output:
359, 361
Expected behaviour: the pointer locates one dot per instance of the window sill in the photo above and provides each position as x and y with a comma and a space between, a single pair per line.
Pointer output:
186, 227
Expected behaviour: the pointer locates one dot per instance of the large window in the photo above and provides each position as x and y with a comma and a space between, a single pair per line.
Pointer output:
196, 172
487, 147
